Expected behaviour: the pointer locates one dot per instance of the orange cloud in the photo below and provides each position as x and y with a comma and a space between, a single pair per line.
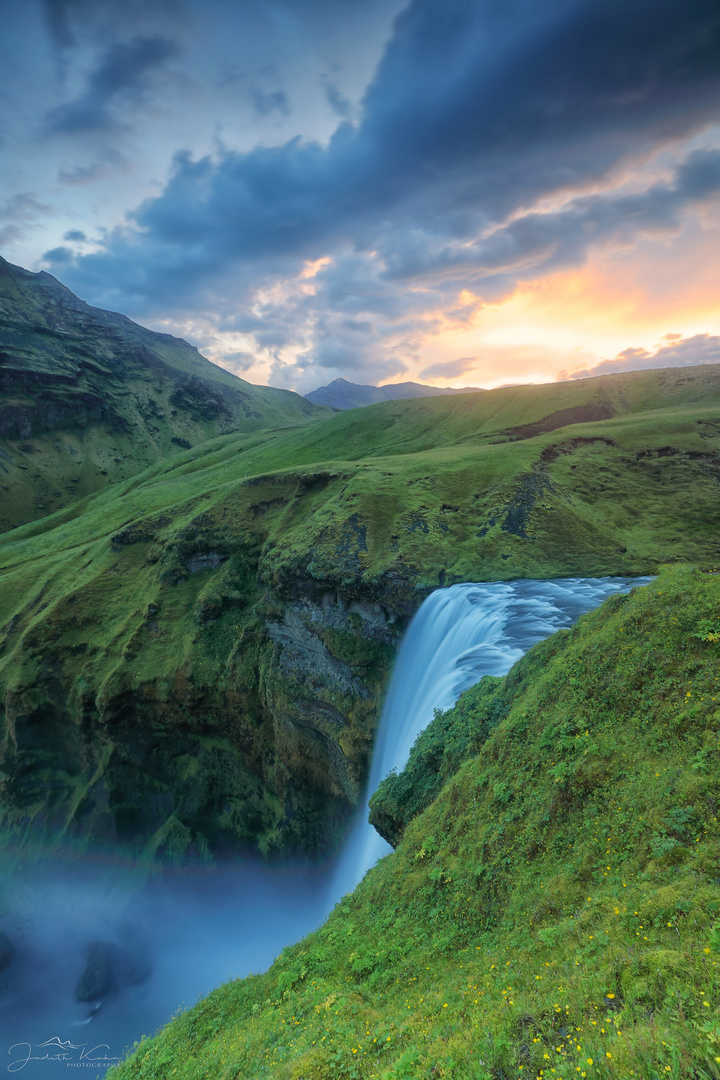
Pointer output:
640, 297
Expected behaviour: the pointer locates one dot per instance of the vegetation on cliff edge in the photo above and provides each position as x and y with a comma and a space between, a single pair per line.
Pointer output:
549, 914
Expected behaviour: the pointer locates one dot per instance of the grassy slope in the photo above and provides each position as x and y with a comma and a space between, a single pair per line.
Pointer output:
549, 914
457, 511
451, 448
88, 397
97, 606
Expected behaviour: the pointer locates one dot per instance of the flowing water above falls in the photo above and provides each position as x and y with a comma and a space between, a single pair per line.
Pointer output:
457, 636
204, 927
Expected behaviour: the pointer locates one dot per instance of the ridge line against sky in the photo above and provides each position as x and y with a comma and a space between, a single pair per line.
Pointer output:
441, 190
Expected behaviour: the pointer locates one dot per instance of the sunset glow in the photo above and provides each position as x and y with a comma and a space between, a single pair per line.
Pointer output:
304, 194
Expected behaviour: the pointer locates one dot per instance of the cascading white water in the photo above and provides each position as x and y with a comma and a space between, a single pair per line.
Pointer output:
207, 928
459, 635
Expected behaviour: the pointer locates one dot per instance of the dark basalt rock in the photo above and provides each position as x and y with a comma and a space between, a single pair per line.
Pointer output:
7, 952
110, 967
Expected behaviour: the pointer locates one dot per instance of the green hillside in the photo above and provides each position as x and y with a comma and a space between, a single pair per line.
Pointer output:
88, 397
549, 913
193, 660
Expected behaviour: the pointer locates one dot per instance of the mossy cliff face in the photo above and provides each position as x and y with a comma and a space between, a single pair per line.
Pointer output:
171, 703
193, 661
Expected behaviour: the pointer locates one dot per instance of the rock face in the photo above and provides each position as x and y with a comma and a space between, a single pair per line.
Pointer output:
258, 736
88, 397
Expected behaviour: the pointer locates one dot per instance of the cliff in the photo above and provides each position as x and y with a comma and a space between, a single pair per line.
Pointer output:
193, 661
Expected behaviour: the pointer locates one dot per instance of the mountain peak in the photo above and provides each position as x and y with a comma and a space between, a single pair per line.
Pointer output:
342, 394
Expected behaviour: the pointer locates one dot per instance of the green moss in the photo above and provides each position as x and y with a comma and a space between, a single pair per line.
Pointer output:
536, 915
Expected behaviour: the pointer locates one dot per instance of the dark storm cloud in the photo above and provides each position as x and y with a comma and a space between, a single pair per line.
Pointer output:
69, 20
59, 16
544, 242
700, 349
58, 256
124, 69
477, 109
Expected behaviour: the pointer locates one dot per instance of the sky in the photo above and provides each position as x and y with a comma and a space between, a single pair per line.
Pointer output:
458, 192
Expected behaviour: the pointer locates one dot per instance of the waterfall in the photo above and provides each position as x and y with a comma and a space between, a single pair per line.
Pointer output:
207, 926
458, 635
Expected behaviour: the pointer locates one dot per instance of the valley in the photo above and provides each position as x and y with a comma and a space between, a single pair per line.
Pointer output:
193, 661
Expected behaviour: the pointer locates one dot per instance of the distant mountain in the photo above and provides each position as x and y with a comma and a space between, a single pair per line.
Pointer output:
341, 394
88, 397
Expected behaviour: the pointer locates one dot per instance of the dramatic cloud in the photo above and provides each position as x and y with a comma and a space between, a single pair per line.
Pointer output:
476, 112
59, 256
700, 349
70, 21
122, 73
316, 229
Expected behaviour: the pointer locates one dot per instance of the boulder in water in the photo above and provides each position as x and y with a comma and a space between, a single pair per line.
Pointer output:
110, 967
7, 952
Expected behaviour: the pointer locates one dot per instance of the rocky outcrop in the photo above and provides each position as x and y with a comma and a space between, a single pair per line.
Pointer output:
321, 684
269, 748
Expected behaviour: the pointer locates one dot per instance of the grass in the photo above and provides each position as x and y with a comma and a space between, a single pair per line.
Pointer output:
548, 913
185, 603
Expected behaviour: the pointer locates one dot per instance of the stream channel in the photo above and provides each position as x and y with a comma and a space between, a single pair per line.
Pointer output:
197, 929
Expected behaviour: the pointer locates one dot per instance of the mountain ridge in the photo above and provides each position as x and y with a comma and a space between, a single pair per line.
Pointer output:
88, 397
341, 394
